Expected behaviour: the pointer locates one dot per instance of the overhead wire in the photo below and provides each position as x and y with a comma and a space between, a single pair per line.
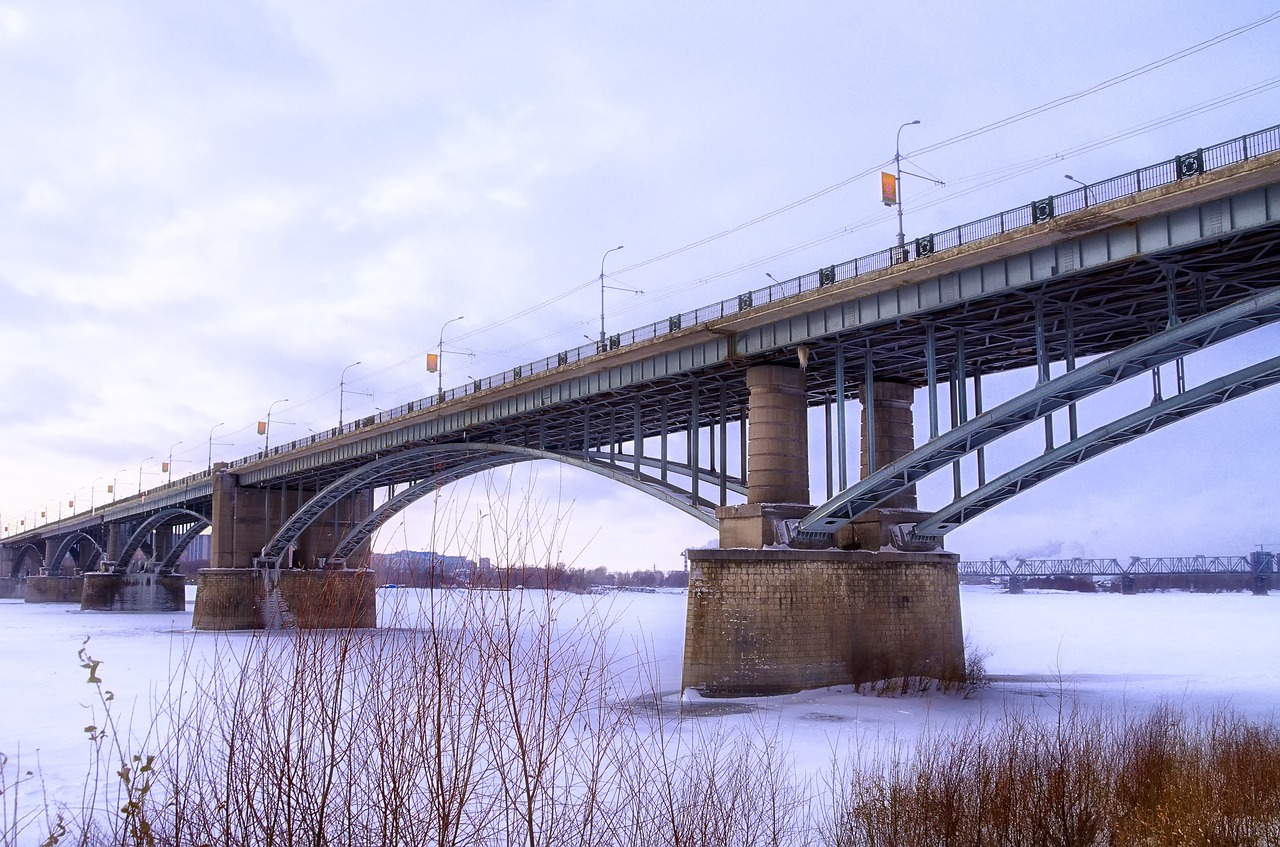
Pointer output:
981, 180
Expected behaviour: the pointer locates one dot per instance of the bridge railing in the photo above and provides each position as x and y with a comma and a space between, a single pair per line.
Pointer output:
1166, 172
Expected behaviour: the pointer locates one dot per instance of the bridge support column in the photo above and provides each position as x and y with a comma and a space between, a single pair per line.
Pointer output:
778, 621
51, 586
894, 431
112, 553
230, 593
10, 578
1261, 583
777, 459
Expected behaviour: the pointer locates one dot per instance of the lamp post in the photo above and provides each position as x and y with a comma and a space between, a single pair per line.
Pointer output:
169, 464
93, 487
266, 430
1082, 185
211, 429
140, 464
342, 390
897, 167
114, 477
602, 258
440, 356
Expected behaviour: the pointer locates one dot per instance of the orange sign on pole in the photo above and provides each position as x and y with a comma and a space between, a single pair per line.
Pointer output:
433, 362
262, 427
888, 189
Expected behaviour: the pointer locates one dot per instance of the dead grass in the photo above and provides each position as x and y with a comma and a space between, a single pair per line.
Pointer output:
1080, 778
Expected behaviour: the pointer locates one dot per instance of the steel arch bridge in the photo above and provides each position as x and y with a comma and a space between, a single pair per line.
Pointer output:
1129, 277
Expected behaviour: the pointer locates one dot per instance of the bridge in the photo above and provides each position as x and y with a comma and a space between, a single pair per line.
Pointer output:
708, 412
1257, 569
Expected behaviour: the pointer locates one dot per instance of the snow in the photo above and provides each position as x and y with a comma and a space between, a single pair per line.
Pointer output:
1201, 651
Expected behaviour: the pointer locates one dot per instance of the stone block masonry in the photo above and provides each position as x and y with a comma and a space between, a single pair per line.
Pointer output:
777, 621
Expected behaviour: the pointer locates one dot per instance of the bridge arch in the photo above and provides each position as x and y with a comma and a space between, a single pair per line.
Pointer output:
167, 516
21, 554
460, 461
64, 548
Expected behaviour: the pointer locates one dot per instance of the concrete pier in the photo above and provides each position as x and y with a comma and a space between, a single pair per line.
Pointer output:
242, 598
766, 622
133, 592
53, 589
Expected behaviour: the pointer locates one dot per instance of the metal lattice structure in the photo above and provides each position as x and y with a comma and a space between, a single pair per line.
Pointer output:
1264, 563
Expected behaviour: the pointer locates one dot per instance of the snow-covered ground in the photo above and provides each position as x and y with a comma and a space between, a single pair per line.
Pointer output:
1200, 651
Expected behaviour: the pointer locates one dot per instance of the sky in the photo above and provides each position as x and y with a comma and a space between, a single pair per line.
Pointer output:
209, 211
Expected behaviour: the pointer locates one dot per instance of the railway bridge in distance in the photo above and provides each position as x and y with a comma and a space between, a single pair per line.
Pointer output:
709, 411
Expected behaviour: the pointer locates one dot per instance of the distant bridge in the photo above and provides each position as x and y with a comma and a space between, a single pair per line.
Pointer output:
1254, 563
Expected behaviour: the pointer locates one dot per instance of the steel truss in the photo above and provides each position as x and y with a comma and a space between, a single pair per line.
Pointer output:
434, 466
1252, 564
1040, 402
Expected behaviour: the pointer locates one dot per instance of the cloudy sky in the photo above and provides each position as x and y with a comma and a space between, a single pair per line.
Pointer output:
207, 208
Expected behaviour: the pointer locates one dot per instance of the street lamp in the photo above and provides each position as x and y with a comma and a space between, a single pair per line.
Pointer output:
440, 356
115, 476
897, 167
602, 258
266, 429
342, 388
1082, 185
211, 429
169, 464
92, 488
140, 464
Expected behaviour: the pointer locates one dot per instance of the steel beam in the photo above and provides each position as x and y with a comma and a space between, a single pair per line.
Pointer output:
1122, 431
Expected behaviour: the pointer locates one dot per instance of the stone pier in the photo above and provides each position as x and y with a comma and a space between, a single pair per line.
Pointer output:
779, 621
133, 592
767, 619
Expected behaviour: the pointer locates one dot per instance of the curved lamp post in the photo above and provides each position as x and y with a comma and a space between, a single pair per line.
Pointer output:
342, 390
897, 167
169, 464
266, 429
440, 356
1082, 185
211, 429
602, 258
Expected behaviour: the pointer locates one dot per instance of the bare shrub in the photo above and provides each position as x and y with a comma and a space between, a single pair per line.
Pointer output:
1079, 778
